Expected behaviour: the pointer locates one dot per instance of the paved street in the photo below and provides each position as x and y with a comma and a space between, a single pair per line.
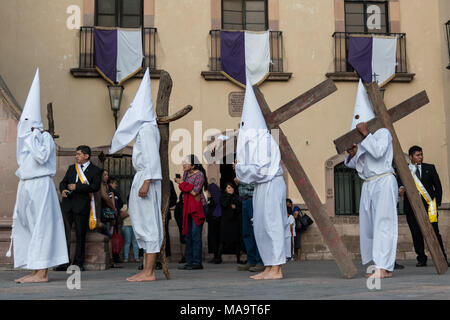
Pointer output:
303, 280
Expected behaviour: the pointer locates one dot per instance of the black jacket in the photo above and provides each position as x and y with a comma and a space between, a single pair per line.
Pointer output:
431, 182
79, 200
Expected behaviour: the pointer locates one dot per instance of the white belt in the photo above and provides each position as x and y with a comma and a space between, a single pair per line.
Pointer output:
378, 176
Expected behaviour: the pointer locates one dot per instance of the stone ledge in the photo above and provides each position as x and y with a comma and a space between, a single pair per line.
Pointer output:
353, 76
92, 73
273, 76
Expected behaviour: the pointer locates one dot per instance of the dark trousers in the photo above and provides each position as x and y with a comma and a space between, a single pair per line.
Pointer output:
81, 226
417, 237
193, 243
248, 234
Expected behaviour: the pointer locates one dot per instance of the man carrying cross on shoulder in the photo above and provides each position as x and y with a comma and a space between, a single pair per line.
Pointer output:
372, 158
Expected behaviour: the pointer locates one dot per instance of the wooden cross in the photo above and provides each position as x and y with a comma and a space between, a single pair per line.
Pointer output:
163, 119
304, 186
385, 119
51, 122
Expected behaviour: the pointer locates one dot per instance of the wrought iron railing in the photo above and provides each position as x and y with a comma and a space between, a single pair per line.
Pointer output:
341, 51
276, 51
87, 49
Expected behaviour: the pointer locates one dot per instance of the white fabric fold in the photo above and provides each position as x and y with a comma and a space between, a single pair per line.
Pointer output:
257, 56
129, 53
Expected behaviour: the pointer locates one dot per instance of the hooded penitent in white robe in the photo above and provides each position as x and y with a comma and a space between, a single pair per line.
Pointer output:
379, 196
38, 236
139, 122
259, 161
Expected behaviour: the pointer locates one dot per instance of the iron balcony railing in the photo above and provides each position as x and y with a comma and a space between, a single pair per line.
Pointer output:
276, 51
341, 51
87, 54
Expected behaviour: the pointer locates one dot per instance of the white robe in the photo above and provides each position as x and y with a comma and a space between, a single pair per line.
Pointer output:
38, 235
145, 213
378, 220
269, 214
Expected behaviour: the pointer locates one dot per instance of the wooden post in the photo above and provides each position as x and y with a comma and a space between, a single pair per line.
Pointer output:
51, 122
304, 186
415, 200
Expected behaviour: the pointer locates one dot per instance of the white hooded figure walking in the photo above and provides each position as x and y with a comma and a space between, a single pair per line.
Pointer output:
372, 159
38, 237
145, 195
259, 161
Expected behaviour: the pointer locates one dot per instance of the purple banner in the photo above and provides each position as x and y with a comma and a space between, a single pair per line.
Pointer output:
232, 54
360, 56
105, 42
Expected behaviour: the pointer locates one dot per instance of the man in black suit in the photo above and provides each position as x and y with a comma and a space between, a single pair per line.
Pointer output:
76, 200
430, 179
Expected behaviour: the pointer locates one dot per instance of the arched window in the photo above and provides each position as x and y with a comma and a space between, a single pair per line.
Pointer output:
347, 191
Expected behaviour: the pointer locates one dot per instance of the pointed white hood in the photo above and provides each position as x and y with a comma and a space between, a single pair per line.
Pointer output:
363, 110
31, 115
256, 146
139, 113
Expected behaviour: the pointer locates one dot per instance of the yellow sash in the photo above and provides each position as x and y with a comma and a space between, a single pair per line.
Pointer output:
92, 215
432, 208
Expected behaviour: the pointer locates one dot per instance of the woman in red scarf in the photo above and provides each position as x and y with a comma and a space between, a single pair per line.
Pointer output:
194, 179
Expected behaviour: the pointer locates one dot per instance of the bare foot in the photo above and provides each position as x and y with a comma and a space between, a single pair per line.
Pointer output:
142, 278
261, 275
35, 279
25, 277
380, 274
273, 276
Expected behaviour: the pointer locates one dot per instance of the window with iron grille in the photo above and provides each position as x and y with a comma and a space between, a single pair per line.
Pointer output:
244, 15
360, 16
347, 191
119, 13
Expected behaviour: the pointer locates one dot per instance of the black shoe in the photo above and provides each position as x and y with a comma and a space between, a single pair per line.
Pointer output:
158, 266
398, 266
421, 264
197, 267
183, 260
185, 267
62, 267
81, 268
141, 266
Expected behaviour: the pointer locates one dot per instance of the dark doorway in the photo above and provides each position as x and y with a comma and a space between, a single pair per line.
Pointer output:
227, 173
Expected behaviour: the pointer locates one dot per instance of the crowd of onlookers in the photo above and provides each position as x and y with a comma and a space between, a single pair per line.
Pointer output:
228, 211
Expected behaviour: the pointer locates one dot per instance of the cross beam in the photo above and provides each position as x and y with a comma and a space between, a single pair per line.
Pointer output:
301, 180
396, 113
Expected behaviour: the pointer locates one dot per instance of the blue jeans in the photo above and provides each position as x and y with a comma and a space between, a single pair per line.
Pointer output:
129, 238
193, 243
248, 235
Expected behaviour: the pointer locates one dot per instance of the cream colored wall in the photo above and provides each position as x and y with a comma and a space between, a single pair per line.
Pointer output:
39, 37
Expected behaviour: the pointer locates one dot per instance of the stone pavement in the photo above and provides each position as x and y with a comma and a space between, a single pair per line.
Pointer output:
303, 280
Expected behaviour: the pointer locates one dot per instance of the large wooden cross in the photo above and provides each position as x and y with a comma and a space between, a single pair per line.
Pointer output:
304, 186
385, 119
163, 119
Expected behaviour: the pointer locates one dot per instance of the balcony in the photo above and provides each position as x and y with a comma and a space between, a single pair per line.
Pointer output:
343, 71
86, 67
276, 55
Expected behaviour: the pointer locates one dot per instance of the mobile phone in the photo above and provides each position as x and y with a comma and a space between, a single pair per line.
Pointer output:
177, 176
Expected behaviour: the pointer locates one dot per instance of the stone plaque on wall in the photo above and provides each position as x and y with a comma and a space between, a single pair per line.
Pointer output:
235, 103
